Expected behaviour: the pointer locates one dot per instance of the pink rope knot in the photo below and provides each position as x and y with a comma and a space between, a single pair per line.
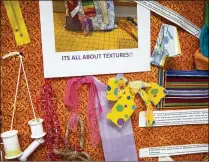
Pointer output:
71, 99
84, 21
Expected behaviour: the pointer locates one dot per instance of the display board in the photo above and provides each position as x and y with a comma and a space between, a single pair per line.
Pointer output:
33, 60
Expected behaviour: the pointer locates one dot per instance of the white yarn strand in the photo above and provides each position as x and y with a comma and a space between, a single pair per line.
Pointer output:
17, 87
34, 114
15, 100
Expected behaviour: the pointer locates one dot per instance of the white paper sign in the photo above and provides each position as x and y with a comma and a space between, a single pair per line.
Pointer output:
171, 15
173, 150
165, 158
93, 62
176, 117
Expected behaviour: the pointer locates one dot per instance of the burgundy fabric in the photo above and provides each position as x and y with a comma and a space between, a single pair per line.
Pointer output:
185, 79
72, 4
175, 100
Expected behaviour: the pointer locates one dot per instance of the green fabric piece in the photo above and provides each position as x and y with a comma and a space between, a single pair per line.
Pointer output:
207, 14
87, 2
204, 41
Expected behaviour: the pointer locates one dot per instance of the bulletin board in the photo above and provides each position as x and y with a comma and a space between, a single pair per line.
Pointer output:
32, 53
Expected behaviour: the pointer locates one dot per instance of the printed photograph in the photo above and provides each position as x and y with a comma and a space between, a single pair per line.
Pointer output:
86, 25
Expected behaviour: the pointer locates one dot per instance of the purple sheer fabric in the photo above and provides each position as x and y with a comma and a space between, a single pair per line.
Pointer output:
118, 143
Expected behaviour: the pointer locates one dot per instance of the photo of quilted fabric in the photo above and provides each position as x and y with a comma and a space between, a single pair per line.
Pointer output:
86, 25
101, 13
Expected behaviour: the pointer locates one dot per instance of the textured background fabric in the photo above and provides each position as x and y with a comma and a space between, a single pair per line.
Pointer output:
144, 137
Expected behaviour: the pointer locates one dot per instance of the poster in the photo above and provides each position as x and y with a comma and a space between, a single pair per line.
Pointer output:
68, 51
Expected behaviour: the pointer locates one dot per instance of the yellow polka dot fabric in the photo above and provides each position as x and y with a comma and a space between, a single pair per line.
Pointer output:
120, 90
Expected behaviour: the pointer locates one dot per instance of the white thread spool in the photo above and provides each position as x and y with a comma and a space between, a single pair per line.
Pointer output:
36, 128
11, 144
31, 148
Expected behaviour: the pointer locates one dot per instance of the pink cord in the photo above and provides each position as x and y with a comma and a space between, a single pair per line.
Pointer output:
84, 21
73, 122
71, 99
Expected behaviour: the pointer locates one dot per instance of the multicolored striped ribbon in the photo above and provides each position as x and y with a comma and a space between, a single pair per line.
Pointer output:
186, 89
89, 8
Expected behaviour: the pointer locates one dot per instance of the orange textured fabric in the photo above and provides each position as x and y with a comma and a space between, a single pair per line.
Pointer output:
201, 62
144, 137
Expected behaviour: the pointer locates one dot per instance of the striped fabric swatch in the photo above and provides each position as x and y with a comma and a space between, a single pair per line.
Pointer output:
89, 8
186, 89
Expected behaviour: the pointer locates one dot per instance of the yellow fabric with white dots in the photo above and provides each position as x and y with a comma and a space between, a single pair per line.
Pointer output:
122, 91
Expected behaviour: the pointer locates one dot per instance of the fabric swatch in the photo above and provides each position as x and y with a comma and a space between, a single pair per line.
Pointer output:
201, 62
71, 5
89, 8
204, 41
167, 45
103, 5
122, 91
118, 144
186, 89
